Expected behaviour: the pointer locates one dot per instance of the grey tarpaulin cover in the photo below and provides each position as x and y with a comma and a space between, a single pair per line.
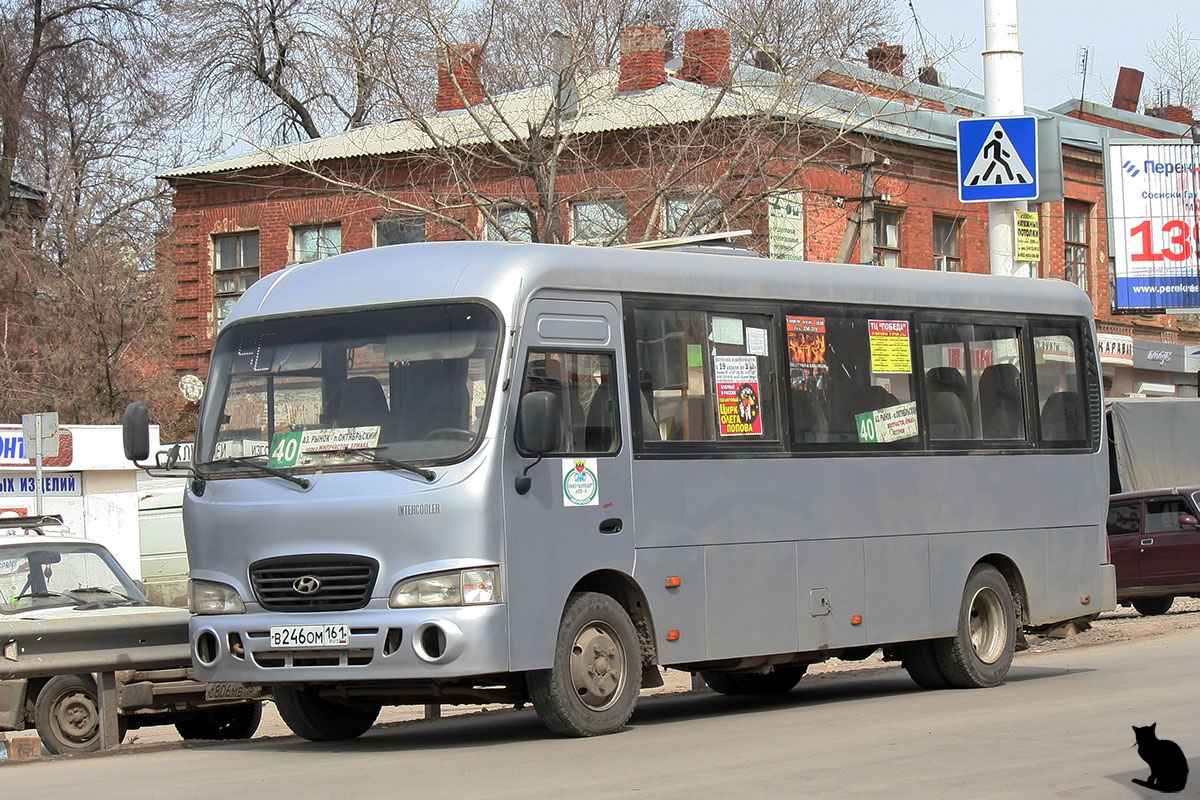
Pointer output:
1157, 442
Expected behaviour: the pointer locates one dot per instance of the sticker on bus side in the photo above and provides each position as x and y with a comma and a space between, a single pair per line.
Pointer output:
580, 485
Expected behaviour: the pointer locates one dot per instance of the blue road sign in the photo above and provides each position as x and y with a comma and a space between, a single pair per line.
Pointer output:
997, 159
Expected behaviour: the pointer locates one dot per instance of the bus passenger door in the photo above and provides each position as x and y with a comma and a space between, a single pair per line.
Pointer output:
577, 517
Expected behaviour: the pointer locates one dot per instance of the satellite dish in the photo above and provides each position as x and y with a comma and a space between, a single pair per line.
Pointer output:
192, 388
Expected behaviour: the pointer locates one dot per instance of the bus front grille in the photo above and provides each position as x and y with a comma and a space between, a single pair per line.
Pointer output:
314, 582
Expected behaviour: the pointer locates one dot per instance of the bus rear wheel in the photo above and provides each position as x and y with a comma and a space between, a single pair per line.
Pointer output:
920, 661
593, 686
321, 720
981, 650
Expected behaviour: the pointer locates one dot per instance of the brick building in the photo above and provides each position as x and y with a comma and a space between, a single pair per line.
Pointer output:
857, 164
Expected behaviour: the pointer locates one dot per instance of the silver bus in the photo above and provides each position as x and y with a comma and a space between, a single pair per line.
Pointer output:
487, 472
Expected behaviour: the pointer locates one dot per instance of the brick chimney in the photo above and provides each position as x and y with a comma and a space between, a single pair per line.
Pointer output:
460, 63
887, 58
1129, 89
706, 57
643, 60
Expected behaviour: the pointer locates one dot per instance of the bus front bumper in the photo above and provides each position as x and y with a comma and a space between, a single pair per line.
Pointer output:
384, 644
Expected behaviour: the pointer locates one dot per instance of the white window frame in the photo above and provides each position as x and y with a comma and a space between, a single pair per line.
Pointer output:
677, 207
602, 229
238, 272
510, 218
325, 246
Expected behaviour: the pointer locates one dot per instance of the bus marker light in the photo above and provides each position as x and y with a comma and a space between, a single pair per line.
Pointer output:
672, 636
1085, 599
856, 619
673, 582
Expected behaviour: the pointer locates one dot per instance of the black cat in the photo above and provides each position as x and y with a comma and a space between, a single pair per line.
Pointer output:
1168, 766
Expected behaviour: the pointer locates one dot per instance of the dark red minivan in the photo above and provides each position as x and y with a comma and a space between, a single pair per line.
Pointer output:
1154, 540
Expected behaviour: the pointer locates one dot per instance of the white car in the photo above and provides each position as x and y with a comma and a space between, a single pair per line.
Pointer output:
57, 590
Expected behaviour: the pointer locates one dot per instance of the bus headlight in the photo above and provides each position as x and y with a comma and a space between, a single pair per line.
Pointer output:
475, 586
210, 597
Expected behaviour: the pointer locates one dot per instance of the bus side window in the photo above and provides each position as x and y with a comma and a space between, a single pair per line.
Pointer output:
1061, 406
587, 395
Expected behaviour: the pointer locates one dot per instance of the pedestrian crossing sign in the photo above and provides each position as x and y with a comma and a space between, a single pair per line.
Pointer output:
997, 159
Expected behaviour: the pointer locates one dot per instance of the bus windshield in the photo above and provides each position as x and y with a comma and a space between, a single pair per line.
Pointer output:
358, 390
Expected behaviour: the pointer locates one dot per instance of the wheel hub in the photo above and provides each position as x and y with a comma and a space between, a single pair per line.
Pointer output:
77, 717
988, 627
597, 666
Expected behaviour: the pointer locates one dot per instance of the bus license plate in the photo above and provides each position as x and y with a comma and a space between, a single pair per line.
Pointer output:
298, 637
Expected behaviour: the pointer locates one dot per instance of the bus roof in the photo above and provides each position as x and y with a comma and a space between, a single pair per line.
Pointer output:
507, 273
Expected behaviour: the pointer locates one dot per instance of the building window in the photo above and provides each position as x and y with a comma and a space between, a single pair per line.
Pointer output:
400, 230
235, 268
945, 244
511, 224
1075, 244
600, 222
887, 237
707, 216
313, 242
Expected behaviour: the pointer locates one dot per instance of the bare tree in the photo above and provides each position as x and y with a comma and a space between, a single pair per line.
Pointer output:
292, 69
85, 312
1176, 59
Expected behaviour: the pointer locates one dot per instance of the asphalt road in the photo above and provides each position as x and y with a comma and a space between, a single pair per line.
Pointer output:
1060, 727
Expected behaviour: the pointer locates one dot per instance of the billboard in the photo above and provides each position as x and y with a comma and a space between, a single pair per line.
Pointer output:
1152, 195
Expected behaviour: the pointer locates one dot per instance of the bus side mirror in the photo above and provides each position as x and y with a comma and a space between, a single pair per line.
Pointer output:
541, 423
539, 431
135, 431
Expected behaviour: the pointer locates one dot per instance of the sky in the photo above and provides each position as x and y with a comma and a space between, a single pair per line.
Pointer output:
1050, 33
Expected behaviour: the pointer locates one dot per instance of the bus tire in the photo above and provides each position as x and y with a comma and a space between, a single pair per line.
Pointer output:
981, 651
1153, 606
224, 723
319, 720
921, 663
67, 715
780, 680
593, 686
722, 682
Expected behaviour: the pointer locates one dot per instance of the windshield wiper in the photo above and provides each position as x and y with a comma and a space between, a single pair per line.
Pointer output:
370, 454
250, 462
99, 590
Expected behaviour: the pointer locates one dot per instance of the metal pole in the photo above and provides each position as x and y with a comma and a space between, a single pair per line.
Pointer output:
1004, 96
38, 468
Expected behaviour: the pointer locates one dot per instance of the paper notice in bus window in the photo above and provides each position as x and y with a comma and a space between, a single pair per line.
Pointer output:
737, 395
756, 341
695, 355
301, 448
806, 341
727, 330
887, 424
890, 351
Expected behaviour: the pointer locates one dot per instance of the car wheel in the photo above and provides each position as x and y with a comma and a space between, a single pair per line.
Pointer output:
67, 715
1153, 606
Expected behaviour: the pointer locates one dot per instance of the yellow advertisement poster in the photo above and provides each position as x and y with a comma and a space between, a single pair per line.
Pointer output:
890, 351
1029, 245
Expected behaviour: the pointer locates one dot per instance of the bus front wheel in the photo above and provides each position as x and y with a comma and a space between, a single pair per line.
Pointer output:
320, 720
981, 650
593, 686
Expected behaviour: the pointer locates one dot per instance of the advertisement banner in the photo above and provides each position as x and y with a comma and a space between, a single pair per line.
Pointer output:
1153, 190
737, 395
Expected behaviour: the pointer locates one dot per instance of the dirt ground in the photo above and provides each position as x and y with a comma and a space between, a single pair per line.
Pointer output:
1122, 625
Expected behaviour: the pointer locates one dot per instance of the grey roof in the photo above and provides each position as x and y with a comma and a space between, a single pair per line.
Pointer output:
676, 102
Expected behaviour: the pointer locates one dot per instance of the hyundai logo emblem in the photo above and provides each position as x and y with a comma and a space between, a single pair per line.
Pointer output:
306, 585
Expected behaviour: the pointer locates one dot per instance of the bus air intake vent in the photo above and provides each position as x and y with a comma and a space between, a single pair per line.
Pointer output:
314, 582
